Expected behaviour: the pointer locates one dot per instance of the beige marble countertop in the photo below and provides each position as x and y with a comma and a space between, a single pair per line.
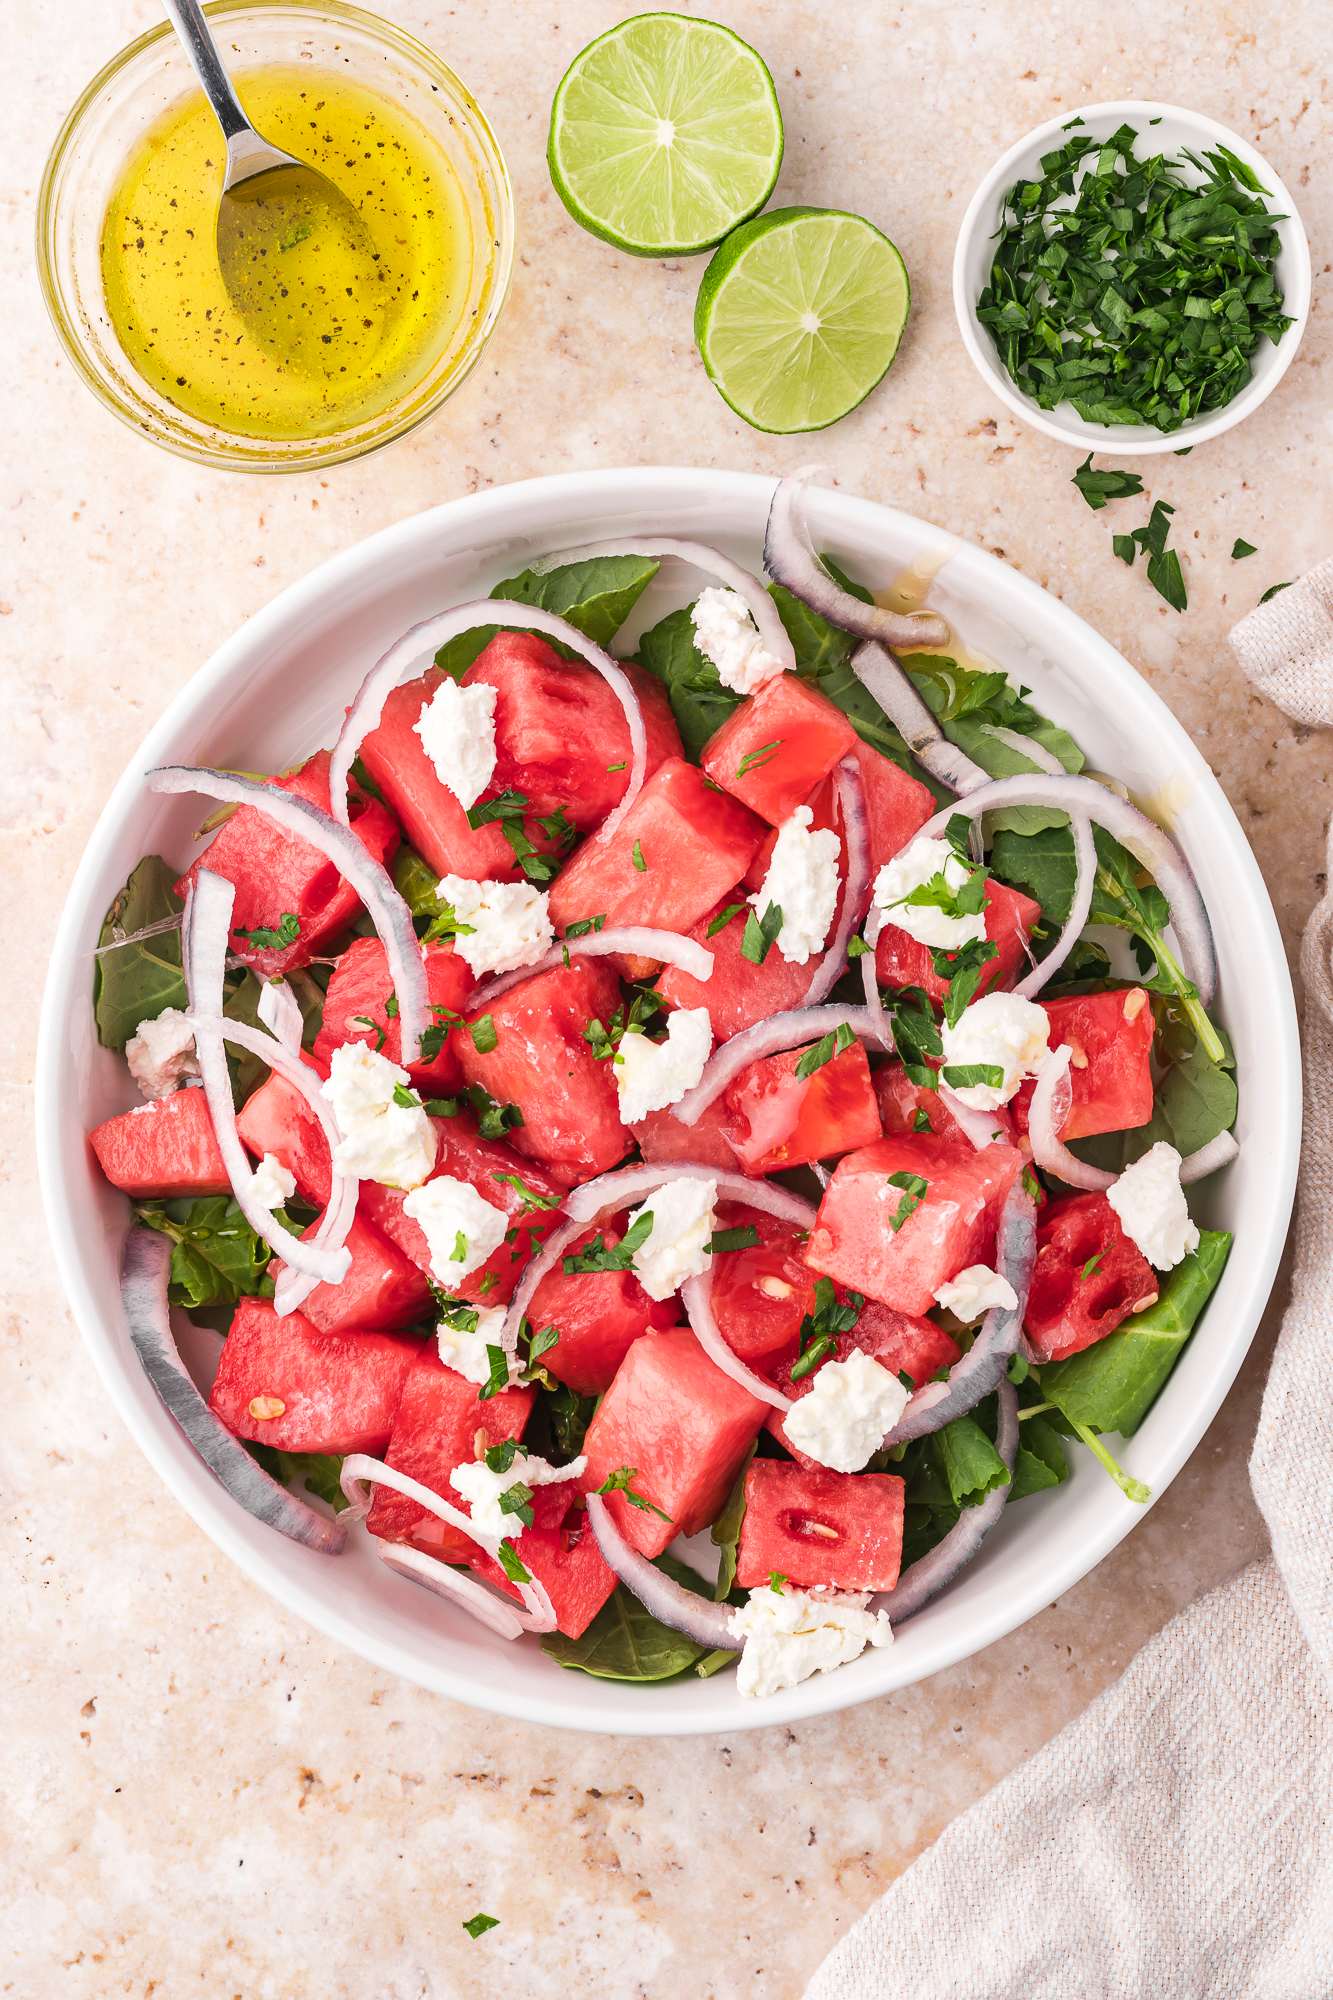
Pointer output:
202, 1795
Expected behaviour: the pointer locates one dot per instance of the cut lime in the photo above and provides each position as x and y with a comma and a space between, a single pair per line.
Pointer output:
799, 315
665, 133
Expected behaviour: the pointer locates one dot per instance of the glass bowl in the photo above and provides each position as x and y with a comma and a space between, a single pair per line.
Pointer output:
131, 94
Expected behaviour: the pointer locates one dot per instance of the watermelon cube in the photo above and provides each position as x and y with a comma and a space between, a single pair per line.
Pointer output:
951, 1226
843, 1530
283, 1382
277, 1119
775, 748
276, 873
760, 1295
661, 1136
684, 1425
598, 1317
1089, 1275
359, 991
776, 1120
1110, 1036
439, 1423
561, 1552
739, 994
167, 1147
1010, 920
897, 806
543, 1063
899, 1341
903, 1104
383, 1288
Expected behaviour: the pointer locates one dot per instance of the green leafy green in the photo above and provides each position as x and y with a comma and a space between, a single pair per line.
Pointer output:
315, 1471
478, 1926
595, 1257
726, 1532
1242, 549
1040, 1462
622, 1481
266, 938
1099, 487
824, 1051
626, 1643
139, 980
596, 596
483, 1033
699, 701
216, 1257
968, 705
494, 1120
971, 1465
724, 1240
761, 934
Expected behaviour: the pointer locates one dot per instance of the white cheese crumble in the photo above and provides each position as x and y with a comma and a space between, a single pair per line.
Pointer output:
974, 1291
790, 1634
466, 1353
508, 922
482, 1488
682, 1213
271, 1182
802, 880
382, 1141
847, 1412
461, 1227
1004, 1032
726, 634
1150, 1202
457, 730
161, 1052
652, 1075
912, 869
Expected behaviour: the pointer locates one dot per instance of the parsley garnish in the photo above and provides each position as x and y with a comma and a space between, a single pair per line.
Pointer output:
920, 1122
963, 970
754, 760
1099, 487
776, 1580
288, 931
1242, 549
1274, 588
458, 1255
916, 1036
611, 769
531, 1199
500, 1457
508, 1558
619, 1482
585, 925
820, 1329
745, 1238
963, 1076
915, 1191
493, 1119
484, 1037
636, 856
720, 923
509, 808
446, 924
498, 1379
760, 937
517, 1500
547, 1338
478, 1926
364, 1021
595, 1257
408, 1099
458, 1315
858, 948
1090, 1267
824, 1051
908, 1381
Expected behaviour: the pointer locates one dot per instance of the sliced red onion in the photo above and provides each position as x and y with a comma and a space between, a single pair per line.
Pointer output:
781, 1031
790, 559
630, 1185
430, 635
924, 1579
1036, 753
635, 940
1085, 879
820, 1172
1219, 1152
696, 1295
204, 934
279, 1011
983, 1128
670, 1603
760, 605
386, 908
985, 1366
879, 672
856, 890
457, 1587
143, 1292
553, 1249
1084, 797
1050, 1105
874, 924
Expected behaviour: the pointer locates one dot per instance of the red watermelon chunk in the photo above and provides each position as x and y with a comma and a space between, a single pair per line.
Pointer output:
277, 1119
761, 1295
598, 1317
684, 1425
359, 990
661, 1136
900, 1342
436, 1428
840, 1529
338, 1391
739, 994
777, 1120
276, 872
1110, 1035
897, 806
1071, 1305
543, 1063
1010, 919
902, 1103
951, 1228
774, 749
164, 1148
561, 1552
383, 1288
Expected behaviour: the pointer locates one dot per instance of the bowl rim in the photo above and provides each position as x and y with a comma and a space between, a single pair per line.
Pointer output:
1128, 442
308, 456
477, 525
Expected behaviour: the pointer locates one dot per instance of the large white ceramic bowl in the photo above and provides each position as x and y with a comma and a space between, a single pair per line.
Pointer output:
1176, 132
276, 691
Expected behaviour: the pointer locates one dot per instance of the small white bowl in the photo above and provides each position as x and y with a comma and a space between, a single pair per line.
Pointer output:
1178, 130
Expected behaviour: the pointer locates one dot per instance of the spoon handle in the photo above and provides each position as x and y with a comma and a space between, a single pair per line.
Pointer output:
187, 17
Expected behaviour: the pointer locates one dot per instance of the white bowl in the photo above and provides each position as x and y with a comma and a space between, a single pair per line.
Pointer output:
276, 691
1179, 129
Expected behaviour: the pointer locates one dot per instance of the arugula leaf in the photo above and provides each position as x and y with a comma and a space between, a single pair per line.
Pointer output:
969, 1462
1099, 487
626, 1643
1193, 1103
316, 1471
138, 981
217, 1258
596, 596
761, 936
726, 1531
969, 705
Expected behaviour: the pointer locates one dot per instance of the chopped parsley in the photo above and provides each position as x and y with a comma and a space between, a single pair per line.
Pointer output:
484, 1037
364, 1021
493, 1119
405, 1098
498, 1379
760, 937
595, 1258
619, 1482
720, 923
636, 856
964, 1076
1242, 549
754, 760
820, 1329
745, 1238
824, 1051
478, 1926
1099, 487
287, 932
585, 925
915, 1190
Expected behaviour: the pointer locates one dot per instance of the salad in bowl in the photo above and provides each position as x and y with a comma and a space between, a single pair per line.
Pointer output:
734, 1096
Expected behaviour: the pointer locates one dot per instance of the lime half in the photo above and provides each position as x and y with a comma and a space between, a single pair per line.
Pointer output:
799, 315
665, 133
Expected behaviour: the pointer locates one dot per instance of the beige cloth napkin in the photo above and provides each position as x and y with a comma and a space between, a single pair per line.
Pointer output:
1176, 1842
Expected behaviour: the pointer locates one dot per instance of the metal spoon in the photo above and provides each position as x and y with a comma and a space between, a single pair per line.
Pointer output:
298, 263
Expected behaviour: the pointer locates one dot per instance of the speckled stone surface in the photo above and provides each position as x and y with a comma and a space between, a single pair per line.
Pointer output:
203, 1797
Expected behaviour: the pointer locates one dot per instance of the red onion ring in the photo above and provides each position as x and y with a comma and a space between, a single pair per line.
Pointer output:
856, 839
760, 605
924, 1579
781, 1031
1219, 1152
1046, 1115
204, 934
1085, 879
552, 1250
143, 1293
636, 940
628, 1185
696, 1295
1036, 753
874, 924
467, 1592
983, 1128
790, 559
430, 635
388, 911
985, 1366
879, 672
670, 1603
280, 1013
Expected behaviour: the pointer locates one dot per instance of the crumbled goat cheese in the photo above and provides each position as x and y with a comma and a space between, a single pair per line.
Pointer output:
1003, 1031
918, 864
466, 1353
652, 1075
847, 1412
1150, 1202
508, 922
461, 1227
802, 880
725, 633
457, 730
271, 1182
790, 1634
161, 1052
482, 1488
974, 1291
382, 1141
682, 1213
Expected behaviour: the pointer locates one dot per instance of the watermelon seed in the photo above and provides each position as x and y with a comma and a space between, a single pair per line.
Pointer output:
262, 1408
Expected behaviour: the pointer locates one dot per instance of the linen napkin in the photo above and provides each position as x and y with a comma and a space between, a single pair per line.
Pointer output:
1176, 1842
